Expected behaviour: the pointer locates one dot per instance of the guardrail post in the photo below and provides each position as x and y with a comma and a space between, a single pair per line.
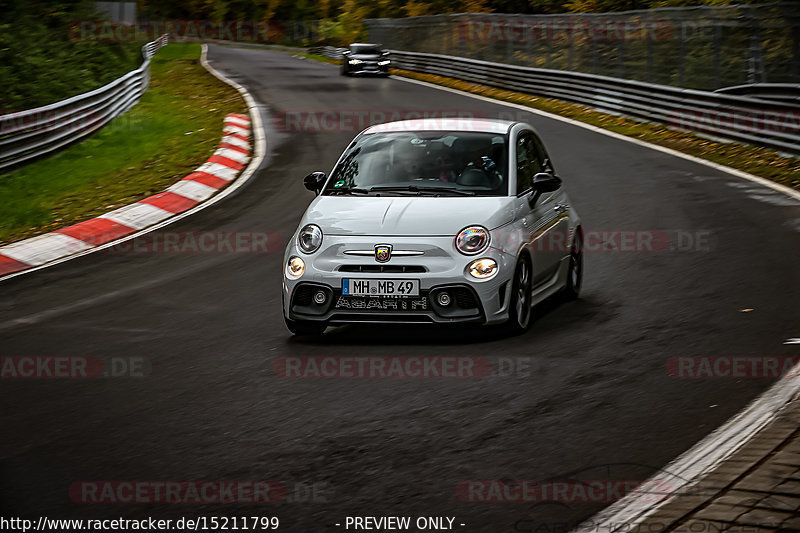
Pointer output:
717, 45
795, 68
796, 53
682, 55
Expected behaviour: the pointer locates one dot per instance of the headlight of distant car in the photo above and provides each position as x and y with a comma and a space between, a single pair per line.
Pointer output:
295, 267
483, 268
355, 61
472, 240
384, 62
310, 238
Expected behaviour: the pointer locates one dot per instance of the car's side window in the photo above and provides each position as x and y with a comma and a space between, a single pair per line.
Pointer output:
546, 162
529, 161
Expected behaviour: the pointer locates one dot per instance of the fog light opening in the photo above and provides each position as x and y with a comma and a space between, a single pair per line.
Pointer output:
319, 297
443, 298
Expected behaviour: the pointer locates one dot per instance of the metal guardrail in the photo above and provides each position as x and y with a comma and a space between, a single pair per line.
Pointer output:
698, 47
781, 92
771, 123
331, 52
25, 135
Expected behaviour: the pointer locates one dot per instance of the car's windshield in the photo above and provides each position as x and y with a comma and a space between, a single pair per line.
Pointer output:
365, 49
428, 162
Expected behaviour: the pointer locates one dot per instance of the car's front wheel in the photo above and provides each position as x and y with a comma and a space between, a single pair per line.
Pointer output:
519, 313
305, 329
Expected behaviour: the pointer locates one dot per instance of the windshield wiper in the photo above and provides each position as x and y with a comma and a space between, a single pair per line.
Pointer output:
423, 189
352, 190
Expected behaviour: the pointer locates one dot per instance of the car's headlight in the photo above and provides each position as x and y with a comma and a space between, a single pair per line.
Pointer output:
295, 267
483, 268
355, 61
385, 62
310, 238
472, 240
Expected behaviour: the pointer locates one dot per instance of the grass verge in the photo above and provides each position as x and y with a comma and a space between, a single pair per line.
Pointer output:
762, 162
172, 130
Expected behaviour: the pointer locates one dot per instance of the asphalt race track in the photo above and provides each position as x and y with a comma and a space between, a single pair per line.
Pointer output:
584, 395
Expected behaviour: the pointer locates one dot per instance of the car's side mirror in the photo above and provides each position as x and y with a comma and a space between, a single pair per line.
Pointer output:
543, 182
315, 181
345, 52
385, 53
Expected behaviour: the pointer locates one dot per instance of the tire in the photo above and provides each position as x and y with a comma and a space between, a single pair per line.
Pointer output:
305, 329
519, 310
572, 288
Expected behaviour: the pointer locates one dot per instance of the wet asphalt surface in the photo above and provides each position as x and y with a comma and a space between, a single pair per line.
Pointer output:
584, 395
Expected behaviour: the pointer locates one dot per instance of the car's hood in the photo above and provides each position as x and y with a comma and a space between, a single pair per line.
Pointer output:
391, 215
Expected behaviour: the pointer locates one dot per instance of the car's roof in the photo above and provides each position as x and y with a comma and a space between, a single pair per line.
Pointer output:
483, 125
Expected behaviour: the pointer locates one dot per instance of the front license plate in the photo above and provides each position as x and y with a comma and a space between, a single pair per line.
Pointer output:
380, 287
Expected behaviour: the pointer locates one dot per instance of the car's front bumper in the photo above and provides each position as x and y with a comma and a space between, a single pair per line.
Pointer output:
440, 268
367, 69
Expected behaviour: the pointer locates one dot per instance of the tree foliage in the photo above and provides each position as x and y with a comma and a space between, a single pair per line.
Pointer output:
333, 9
41, 64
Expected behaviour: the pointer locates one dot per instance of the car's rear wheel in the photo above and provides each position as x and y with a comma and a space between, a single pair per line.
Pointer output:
305, 329
519, 313
572, 289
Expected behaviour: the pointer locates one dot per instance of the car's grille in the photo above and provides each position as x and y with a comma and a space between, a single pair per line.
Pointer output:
383, 269
464, 298
304, 294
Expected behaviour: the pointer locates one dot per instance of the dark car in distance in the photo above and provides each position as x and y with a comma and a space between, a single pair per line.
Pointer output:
365, 58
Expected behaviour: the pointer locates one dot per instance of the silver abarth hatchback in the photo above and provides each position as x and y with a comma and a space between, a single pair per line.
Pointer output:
442, 221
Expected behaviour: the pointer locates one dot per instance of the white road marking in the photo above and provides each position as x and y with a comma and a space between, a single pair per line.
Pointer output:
192, 189
220, 171
231, 128
691, 467
738, 173
236, 141
793, 340
137, 216
44, 248
236, 121
239, 157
